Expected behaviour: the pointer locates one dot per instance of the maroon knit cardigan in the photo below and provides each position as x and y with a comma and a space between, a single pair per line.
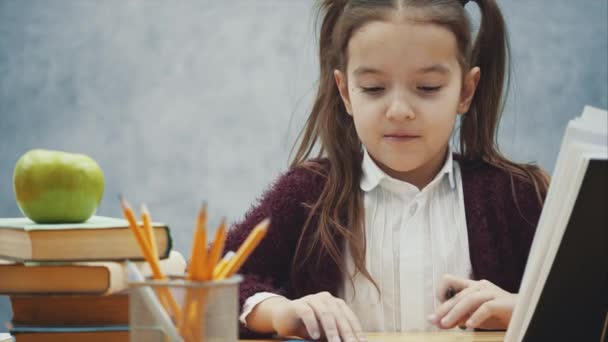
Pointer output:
500, 232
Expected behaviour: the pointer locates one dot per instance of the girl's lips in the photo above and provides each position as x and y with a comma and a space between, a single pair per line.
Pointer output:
403, 137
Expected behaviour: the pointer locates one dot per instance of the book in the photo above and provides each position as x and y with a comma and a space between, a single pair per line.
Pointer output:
114, 333
5, 337
99, 238
68, 310
100, 278
564, 291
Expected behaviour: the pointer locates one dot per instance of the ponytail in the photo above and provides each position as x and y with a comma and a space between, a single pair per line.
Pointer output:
333, 10
490, 49
328, 96
479, 125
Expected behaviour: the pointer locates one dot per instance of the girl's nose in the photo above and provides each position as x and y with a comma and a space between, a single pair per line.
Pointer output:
400, 109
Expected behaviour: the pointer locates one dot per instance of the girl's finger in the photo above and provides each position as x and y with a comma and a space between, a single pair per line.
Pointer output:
353, 321
464, 307
444, 308
344, 327
326, 317
453, 282
480, 315
308, 317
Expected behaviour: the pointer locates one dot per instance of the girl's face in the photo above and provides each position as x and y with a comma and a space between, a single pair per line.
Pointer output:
404, 87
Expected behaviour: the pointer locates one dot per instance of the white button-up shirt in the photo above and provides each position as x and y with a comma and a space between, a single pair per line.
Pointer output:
413, 237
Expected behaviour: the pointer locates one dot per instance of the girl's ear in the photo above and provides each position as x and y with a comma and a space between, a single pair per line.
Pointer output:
343, 89
469, 85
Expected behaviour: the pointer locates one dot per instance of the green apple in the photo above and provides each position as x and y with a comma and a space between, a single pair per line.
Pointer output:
57, 187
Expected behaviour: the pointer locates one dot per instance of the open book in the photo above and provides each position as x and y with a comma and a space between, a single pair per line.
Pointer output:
564, 291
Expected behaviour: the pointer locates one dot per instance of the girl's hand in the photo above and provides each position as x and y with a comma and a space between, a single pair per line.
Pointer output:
301, 317
477, 304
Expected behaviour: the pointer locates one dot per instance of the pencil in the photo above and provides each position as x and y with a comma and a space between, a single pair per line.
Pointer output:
201, 236
141, 239
217, 270
215, 251
148, 230
252, 241
166, 296
198, 264
199, 244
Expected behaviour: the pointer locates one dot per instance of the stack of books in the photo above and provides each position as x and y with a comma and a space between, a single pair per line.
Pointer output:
68, 282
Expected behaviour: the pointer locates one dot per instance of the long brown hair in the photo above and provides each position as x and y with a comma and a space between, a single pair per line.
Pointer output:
338, 212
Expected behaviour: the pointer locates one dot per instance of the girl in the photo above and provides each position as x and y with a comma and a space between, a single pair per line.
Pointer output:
372, 234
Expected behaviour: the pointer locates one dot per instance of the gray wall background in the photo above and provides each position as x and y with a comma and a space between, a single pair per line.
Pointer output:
186, 101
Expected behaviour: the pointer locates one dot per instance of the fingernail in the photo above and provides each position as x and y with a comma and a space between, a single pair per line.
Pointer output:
470, 323
336, 339
315, 335
444, 321
432, 318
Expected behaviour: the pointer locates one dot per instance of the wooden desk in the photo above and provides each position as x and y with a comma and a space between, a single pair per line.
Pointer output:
455, 336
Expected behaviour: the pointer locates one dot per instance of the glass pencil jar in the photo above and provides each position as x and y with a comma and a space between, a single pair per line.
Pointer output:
179, 310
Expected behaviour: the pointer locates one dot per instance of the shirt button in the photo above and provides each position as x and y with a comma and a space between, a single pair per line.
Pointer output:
413, 208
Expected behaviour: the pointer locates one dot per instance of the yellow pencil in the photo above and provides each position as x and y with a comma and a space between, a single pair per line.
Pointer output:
198, 263
199, 243
148, 231
201, 236
152, 260
217, 270
215, 251
141, 239
252, 241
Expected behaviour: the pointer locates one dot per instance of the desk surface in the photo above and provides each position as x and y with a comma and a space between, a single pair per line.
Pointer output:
455, 336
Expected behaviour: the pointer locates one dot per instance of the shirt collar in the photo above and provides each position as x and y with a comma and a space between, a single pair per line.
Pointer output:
374, 176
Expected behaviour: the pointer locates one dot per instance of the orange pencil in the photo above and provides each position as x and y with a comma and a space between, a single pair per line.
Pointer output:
199, 301
198, 262
194, 308
192, 269
215, 251
152, 260
252, 241
217, 270
201, 236
141, 239
148, 231
199, 243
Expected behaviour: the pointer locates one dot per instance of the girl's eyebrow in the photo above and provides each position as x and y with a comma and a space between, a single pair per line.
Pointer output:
439, 68
362, 70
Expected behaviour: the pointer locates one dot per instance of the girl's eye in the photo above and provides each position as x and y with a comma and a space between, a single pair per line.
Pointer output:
429, 89
372, 90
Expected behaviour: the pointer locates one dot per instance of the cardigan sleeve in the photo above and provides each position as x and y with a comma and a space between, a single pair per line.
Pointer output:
268, 267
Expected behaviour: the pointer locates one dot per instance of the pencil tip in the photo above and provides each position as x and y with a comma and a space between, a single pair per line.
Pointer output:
265, 223
222, 225
123, 201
